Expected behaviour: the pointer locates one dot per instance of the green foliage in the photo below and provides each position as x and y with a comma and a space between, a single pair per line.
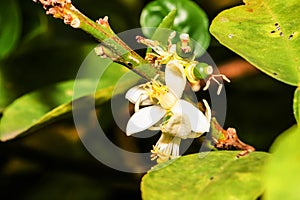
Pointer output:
10, 24
190, 18
39, 108
208, 175
282, 170
163, 31
36, 109
265, 33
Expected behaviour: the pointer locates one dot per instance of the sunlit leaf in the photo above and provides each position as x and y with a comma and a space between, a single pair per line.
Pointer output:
265, 33
208, 175
190, 18
296, 105
10, 26
282, 171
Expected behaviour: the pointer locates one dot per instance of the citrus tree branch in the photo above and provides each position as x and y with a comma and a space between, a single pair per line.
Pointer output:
111, 45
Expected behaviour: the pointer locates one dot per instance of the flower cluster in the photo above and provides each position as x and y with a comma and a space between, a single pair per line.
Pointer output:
175, 117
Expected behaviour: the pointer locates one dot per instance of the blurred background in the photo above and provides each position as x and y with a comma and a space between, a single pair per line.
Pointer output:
52, 163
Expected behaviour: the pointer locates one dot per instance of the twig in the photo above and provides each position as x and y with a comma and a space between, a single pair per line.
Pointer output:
111, 45
228, 139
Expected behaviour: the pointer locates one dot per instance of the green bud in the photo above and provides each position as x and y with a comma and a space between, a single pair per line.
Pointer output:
202, 70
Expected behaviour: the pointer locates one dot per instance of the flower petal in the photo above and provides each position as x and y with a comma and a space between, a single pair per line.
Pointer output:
144, 118
208, 110
175, 77
167, 147
136, 92
199, 122
178, 125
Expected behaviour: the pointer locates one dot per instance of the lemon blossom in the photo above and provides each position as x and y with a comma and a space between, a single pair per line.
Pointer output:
178, 118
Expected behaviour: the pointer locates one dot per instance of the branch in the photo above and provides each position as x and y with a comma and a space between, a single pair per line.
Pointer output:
111, 45
228, 139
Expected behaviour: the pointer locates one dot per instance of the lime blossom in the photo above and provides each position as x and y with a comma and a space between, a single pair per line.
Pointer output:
175, 117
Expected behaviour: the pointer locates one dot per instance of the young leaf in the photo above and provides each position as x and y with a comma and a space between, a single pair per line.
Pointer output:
10, 24
282, 170
162, 32
265, 33
296, 105
207, 175
190, 18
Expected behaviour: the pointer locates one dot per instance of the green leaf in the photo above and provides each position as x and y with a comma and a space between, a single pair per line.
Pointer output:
162, 32
207, 175
190, 18
10, 24
296, 105
167, 21
282, 170
265, 33
35, 109
39, 108
23, 72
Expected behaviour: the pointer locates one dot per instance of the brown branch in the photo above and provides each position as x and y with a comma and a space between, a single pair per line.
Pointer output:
228, 139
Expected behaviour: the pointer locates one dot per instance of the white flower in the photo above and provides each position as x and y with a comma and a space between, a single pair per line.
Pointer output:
178, 118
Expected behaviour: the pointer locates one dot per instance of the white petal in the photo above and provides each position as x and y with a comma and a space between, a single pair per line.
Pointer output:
144, 118
208, 110
136, 92
176, 144
175, 77
178, 125
167, 147
199, 122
